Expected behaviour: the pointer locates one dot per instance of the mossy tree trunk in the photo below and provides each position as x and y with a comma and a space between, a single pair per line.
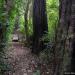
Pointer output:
4, 16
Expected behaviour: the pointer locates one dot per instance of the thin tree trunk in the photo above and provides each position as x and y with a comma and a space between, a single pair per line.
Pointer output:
26, 21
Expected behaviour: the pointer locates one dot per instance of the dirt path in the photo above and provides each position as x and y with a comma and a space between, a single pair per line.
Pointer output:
22, 61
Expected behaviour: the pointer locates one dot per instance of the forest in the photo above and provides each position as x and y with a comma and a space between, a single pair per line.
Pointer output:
37, 37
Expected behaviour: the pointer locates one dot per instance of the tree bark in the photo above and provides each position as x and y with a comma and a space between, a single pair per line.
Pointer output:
73, 36
65, 39
26, 21
40, 26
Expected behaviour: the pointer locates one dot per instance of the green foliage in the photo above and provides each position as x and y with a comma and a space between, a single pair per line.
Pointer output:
7, 27
47, 55
19, 8
37, 72
22, 28
30, 26
52, 13
1, 7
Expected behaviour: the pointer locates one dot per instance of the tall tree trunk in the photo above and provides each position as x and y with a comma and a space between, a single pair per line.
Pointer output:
65, 39
26, 21
73, 36
40, 26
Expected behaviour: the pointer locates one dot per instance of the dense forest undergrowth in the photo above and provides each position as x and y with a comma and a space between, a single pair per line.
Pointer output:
37, 37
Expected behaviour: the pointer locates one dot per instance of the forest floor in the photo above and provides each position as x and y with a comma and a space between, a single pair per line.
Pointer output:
23, 62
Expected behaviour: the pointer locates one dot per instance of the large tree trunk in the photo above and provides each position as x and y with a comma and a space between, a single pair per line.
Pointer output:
40, 26
73, 36
65, 39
